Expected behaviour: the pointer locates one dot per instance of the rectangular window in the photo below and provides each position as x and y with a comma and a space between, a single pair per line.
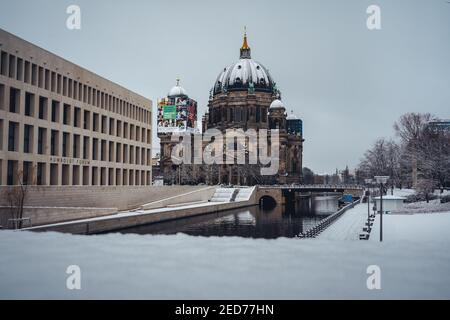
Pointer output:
55, 111
85, 148
12, 172
27, 172
41, 77
96, 122
65, 175
119, 128
54, 143
29, 104
12, 66
53, 88
104, 124
13, 134
28, 139
14, 100
2, 96
34, 75
76, 175
27, 75
65, 144
111, 126
66, 115
40, 174
87, 120
70, 93
118, 152
58, 84
4, 64
19, 76
111, 151
65, 86
76, 146
54, 176
47, 79
95, 149
43, 108
103, 150
1, 135
42, 140
77, 117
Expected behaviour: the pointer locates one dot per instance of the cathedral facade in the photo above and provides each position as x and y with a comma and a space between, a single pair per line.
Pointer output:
245, 96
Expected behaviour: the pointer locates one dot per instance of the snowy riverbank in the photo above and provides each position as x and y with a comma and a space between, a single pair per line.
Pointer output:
33, 265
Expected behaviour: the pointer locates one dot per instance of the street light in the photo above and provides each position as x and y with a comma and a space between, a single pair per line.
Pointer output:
368, 194
381, 180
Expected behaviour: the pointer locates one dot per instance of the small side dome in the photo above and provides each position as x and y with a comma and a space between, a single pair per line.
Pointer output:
177, 91
277, 104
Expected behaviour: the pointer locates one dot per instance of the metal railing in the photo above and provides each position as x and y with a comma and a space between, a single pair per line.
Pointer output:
325, 223
316, 186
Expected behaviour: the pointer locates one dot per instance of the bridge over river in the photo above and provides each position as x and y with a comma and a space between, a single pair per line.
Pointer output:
283, 194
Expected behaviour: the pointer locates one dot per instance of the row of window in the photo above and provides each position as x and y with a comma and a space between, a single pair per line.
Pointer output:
73, 145
73, 116
238, 114
65, 174
30, 73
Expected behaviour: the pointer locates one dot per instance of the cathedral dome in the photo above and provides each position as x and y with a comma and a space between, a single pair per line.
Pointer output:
245, 74
177, 91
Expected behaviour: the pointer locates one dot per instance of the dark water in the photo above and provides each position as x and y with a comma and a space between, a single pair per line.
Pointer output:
249, 222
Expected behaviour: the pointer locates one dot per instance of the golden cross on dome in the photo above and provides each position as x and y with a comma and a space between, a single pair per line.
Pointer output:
245, 44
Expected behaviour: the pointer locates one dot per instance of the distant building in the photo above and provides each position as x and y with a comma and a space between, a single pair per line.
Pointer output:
442, 125
62, 125
177, 114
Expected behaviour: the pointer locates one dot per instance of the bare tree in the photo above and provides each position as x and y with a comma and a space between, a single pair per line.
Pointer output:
426, 187
382, 159
17, 194
410, 128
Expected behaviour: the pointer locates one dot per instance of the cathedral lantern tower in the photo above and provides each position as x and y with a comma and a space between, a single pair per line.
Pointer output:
277, 116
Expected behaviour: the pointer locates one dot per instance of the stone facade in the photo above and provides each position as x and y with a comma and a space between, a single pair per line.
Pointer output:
62, 125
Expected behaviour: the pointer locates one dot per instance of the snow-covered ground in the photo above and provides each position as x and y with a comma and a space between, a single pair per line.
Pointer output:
414, 227
414, 260
33, 265
348, 226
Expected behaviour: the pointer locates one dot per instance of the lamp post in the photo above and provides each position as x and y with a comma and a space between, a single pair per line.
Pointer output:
381, 180
368, 194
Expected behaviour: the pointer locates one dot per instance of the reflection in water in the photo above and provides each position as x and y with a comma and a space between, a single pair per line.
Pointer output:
251, 222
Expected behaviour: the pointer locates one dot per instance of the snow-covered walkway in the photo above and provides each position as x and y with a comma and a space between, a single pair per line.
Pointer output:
348, 226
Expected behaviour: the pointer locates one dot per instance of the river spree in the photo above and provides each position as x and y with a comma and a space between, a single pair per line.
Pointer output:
251, 222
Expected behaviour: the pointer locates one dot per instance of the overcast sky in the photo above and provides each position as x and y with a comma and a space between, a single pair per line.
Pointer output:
347, 83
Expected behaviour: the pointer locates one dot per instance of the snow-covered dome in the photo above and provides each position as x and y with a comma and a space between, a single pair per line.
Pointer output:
277, 104
245, 74
177, 91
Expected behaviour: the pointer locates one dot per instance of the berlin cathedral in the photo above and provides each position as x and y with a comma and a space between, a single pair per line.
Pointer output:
244, 96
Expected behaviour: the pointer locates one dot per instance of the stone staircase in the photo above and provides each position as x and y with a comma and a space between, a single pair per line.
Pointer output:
244, 194
232, 194
223, 195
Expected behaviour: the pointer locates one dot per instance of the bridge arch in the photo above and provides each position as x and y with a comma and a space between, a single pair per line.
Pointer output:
267, 202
